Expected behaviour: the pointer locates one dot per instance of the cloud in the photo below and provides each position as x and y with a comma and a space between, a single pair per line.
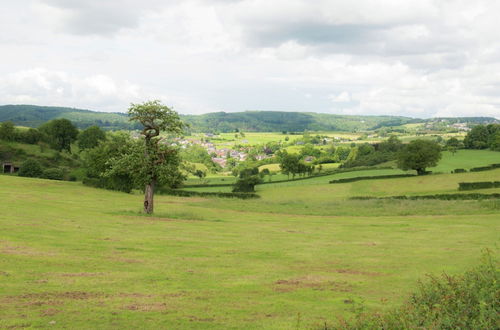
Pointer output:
404, 57
42, 86
94, 17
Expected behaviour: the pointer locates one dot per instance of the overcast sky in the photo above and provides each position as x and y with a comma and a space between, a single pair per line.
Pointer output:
419, 58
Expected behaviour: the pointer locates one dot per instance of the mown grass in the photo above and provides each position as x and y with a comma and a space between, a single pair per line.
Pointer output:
78, 257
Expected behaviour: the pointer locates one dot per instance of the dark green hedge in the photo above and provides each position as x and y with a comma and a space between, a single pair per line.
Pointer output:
478, 185
446, 197
119, 184
459, 170
187, 193
359, 178
485, 168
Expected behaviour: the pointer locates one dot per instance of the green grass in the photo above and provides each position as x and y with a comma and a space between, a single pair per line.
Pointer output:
78, 257
466, 159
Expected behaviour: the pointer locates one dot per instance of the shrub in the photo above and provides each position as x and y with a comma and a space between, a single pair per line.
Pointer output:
468, 301
116, 182
53, 174
478, 185
446, 197
481, 168
246, 184
186, 193
459, 170
359, 178
31, 168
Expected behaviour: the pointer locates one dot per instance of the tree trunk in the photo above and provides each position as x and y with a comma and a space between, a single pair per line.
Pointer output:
420, 171
148, 197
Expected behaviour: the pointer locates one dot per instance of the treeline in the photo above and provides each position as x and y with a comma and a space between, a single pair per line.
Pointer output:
483, 137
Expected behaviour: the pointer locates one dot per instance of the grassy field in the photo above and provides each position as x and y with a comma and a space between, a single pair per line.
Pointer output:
78, 257
466, 159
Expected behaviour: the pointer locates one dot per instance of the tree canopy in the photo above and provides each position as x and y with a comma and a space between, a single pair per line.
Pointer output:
418, 155
150, 162
60, 133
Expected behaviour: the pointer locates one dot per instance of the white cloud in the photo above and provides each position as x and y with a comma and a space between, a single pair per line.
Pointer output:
404, 57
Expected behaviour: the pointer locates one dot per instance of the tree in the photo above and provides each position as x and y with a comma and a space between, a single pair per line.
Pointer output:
158, 163
60, 133
200, 174
31, 168
418, 155
90, 137
7, 131
98, 163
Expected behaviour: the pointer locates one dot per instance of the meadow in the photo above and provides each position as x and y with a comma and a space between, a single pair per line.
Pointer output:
298, 257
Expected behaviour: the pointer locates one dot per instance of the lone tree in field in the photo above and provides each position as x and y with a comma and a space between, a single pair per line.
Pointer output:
418, 155
160, 163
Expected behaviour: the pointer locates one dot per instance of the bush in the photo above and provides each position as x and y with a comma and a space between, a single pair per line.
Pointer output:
481, 168
119, 183
246, 184
446, 197
478, 185
53, 174
459, 170
468, 301
31, 168
186, 193
359, 178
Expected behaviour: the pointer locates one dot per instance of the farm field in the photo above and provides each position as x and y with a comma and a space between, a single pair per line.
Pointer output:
466, 159
78, 257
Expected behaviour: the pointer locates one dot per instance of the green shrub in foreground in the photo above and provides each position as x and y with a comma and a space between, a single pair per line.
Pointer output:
31, 168
468, 301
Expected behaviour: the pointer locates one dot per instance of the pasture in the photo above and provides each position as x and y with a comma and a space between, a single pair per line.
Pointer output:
298, 257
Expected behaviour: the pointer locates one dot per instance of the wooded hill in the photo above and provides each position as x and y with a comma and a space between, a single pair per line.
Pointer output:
248, 121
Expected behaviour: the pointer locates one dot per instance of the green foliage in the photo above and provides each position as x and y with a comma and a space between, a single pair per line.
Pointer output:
197, 154
468, 301
90, 137
187, 193
368, 155
485, 168
444, 197
247, 184
391, 176
459, 170
7, 131
418, 155
483, 136
34, 116
60, 133
31, 168
478, 185
53, 174
97, 163
30, 136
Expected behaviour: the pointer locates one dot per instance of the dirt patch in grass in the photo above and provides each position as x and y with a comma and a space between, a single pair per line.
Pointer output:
357, 272
309, 282
50, 312
198, 319
126, 260
83, 274
147, 307
7, 248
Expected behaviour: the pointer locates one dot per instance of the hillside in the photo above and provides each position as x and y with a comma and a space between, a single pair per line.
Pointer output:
248, 121
34, 116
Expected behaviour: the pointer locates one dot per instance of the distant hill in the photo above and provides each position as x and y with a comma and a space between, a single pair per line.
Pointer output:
34, 116
249, 121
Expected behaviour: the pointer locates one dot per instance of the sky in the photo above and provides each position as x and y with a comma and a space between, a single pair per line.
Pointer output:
425, 58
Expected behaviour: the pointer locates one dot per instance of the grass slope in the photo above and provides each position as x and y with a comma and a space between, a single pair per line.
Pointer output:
77, 257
